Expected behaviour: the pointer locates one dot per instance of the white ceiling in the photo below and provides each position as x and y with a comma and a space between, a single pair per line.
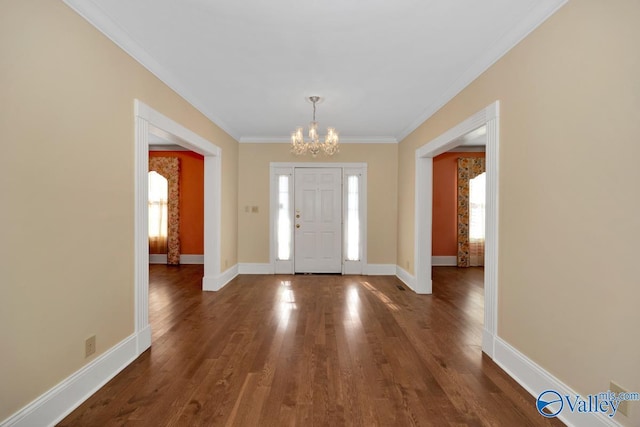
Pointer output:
382, 66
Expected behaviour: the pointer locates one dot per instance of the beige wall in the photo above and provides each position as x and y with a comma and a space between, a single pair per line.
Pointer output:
253, 179
569, 222
66, 261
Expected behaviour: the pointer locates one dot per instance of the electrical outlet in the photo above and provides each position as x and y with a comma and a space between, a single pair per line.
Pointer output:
254, 209
624, 404
90, 346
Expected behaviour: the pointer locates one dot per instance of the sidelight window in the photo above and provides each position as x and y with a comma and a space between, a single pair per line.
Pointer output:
353, 218
284, 219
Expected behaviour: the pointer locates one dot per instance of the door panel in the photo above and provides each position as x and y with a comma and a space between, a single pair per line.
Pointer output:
318, 210
308, 206
327, 205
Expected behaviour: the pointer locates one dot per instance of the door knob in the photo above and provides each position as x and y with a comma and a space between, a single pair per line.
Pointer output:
297, 225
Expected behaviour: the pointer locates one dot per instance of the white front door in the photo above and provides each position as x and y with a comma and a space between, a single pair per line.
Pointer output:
318, 220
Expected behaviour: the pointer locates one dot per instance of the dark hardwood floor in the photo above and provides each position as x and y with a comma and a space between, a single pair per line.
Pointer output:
312, 351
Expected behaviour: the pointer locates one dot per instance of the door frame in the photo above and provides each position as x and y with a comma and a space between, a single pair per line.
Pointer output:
287, 168
148, 120
489, 117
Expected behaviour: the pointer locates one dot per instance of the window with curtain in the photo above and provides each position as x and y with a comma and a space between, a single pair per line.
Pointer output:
158, 213
477, 197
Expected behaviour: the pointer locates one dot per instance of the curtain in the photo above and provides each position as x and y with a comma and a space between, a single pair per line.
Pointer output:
468, 169
169, 167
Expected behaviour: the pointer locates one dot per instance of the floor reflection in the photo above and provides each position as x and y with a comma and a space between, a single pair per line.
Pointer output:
382, 297
286, 302
353, 302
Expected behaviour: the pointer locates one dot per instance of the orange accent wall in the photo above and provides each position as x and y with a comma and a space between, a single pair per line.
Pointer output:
191, 199
445, 205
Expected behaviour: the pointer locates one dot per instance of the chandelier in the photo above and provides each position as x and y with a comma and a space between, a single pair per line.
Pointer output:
313, 145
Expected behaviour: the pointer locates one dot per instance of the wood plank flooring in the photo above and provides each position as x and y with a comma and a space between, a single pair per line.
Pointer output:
312, 350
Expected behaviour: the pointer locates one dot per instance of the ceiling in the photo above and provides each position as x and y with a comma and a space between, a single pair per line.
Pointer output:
381, 67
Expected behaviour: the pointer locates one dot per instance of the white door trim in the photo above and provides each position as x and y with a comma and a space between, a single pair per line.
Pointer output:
488, 116
287, 168
148, 120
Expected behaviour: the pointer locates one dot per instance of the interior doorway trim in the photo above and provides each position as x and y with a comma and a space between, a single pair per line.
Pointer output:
489, 117
148, 120
287, 168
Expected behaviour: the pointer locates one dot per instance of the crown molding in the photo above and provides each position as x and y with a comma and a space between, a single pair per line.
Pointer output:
533, 19
343, 140
97, 17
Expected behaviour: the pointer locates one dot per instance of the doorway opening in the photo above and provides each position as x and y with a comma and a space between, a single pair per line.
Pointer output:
488, 117
149, 124
176, 233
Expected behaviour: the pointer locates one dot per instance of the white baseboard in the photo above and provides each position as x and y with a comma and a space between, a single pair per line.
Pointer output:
157, 258
381, 270
209, 283
213, 283
406, 278
536, 380
191, 259
143, 339
58, 402
444, 261
265, 268
488, 343
184, 259
255, 268
354, 268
